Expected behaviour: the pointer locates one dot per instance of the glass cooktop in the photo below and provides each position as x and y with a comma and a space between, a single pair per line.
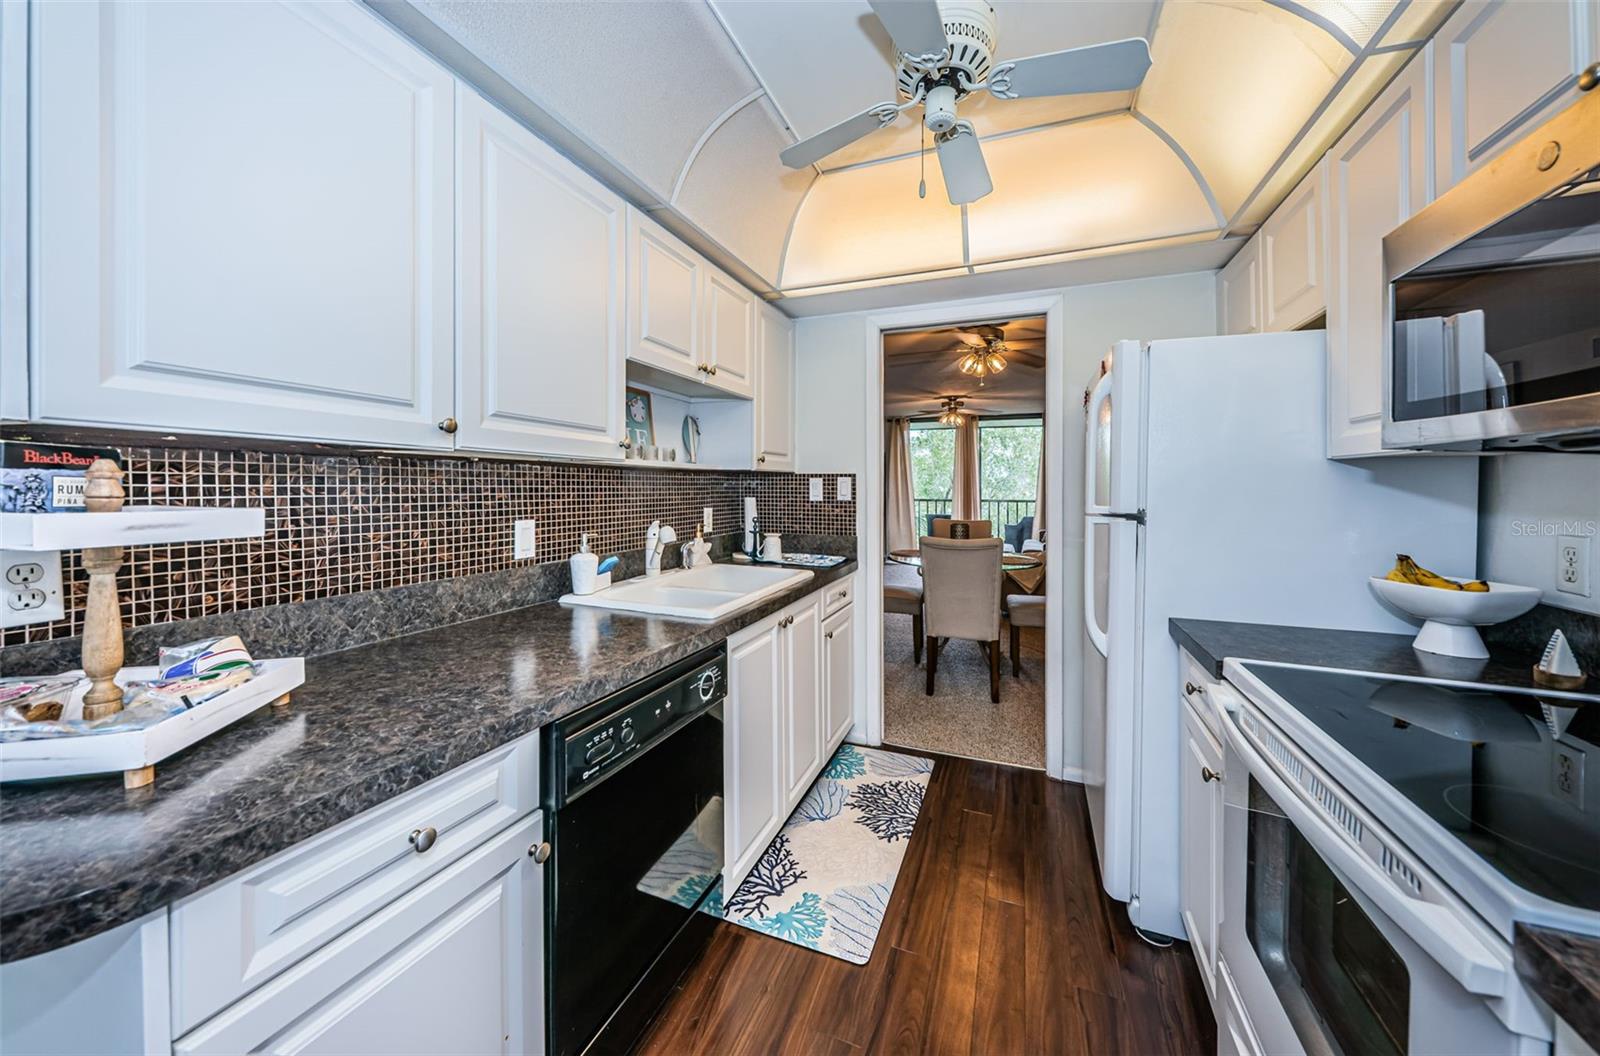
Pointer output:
1504, 772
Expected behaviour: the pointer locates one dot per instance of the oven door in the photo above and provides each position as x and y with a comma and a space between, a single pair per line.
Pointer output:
1320, 966
1495, 335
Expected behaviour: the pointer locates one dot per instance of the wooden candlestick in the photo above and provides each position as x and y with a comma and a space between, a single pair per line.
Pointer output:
102, 618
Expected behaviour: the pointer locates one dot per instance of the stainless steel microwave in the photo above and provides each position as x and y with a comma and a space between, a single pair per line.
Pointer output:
1494, 301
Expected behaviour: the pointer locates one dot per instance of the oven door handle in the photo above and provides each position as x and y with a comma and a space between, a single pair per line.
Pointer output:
1433, 927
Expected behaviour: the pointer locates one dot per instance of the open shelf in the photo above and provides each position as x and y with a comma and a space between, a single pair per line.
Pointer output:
128, 527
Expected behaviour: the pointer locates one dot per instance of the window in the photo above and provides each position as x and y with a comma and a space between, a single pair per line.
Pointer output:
933, 459
1008, 468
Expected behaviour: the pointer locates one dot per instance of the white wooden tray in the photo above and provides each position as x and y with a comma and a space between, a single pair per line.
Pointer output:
127, 527
135, 752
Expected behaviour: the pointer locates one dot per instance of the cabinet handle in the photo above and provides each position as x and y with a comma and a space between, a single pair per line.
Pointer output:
1589, 77
539, 852
761, 460
712, 371
626, 443
704, 368
842, 593
1208, 774
829, 636
423, 839
1190, 688
449, 425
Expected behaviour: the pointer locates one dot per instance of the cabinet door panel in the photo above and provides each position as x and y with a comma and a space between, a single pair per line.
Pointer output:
1239, 292
249, 222
541, 254
664, 278
1294, 287
1377, 178
803, 733
1502, 68
730, 338
838, 651
753, 765
1200, 811
455, 966
775, 393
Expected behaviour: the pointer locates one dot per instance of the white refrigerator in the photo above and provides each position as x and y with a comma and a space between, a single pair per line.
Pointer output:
1208, 495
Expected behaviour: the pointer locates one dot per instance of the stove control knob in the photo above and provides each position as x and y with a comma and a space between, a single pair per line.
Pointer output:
706, 684
627, 735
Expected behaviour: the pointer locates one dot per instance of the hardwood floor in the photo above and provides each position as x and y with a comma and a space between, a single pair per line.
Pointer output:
997, 940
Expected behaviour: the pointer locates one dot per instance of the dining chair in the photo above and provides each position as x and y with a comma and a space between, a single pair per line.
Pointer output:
907, 601
945, 528
961, 599
1022, 610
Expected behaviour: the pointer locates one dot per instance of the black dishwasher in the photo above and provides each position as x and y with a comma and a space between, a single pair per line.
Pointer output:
633, 801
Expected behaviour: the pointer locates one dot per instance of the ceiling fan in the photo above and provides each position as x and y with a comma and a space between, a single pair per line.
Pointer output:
947, 50
983, 352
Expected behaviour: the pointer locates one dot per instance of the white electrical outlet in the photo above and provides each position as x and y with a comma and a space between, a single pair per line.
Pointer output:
1572, 564
30, 587
705, 519
844, 489
816, 489
524, 539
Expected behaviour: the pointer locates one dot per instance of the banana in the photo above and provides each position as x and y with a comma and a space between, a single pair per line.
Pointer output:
1408, 571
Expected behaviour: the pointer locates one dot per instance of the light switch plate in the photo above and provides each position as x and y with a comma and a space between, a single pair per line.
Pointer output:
30, 587
1572, 564
844, 489
816, 489
524, 539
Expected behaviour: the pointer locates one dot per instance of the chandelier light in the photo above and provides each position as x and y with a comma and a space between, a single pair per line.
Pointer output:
951, 415
983, 362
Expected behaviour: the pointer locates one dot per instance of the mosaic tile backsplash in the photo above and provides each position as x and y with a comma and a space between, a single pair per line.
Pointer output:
343, 524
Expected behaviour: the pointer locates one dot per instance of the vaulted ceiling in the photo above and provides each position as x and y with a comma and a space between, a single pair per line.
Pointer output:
685, 104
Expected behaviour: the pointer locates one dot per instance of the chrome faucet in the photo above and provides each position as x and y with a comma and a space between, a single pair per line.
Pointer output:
655, 541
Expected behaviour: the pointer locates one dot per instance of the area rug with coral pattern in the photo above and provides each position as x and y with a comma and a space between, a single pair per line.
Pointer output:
825, 880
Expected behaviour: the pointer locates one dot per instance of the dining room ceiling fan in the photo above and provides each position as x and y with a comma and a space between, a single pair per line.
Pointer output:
946, 52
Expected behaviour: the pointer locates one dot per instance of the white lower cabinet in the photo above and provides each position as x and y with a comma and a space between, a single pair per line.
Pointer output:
781, 721
1200, 817
1235, 1035
838, 675
453, 966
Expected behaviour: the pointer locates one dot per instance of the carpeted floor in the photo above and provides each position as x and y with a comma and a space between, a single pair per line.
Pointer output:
958, 719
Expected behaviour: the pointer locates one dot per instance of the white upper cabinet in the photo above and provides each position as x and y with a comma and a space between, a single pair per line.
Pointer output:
1239, 291
242, 222
541, 257
1500, 69
663, 299
775, 391
1294, 280
1377, 178
729, 342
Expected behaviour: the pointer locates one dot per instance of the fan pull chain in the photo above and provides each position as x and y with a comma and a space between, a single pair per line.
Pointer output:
922, 158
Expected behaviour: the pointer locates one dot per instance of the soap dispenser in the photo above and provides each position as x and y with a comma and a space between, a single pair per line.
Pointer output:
584, 565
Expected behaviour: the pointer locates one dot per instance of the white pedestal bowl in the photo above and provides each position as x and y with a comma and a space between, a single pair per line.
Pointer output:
1452, 617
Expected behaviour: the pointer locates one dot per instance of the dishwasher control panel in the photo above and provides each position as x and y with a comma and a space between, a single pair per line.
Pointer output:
629, 726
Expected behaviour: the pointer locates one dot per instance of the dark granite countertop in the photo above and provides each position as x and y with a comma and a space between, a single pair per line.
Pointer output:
1564, 970
83, 856
1212, 641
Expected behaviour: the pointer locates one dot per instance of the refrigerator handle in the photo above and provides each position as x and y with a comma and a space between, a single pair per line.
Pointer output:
1097, 397
1091, 621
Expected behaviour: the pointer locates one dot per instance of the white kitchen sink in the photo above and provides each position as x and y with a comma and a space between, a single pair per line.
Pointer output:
707, 593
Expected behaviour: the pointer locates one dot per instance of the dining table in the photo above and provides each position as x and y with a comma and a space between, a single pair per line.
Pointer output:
1025, 572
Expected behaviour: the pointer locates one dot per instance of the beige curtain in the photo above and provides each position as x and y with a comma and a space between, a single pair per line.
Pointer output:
964, 494
899, 515
1038, 505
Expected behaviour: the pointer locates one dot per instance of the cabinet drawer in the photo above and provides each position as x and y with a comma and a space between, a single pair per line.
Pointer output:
837, 595
453, 966
1195, 685
235, 936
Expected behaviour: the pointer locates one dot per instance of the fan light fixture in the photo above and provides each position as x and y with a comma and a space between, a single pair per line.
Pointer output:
982, 362
951, 415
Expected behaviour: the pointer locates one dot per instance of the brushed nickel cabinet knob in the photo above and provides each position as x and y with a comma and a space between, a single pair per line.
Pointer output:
1208, 774
1190, 688
1589, 77
423, 839
539, 852
449, 425
626, 443
761, 460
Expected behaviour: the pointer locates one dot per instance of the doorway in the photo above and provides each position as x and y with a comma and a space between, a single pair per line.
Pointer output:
968, 424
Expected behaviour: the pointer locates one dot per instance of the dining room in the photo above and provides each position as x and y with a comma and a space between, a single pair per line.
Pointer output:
965, 540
